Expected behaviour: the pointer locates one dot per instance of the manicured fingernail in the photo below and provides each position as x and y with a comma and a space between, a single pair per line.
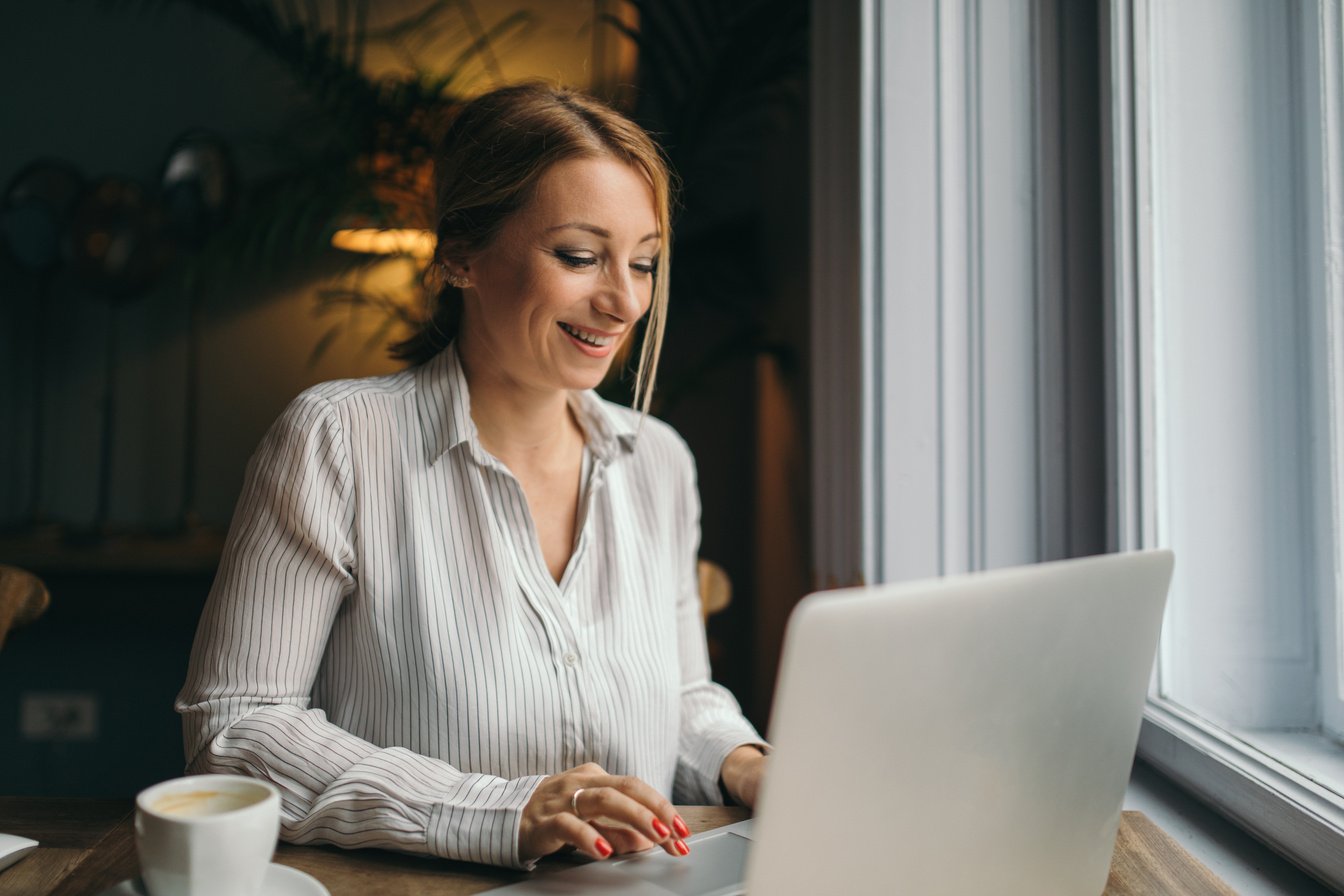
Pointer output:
604, 847
682, 830
682, 847
660, 829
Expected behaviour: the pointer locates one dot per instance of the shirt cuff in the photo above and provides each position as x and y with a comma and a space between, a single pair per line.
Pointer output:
698, 775
479, 821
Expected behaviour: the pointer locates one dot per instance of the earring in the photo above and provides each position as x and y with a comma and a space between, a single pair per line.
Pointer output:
454, 278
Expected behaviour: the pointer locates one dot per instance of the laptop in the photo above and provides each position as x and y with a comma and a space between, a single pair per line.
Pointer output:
970, 734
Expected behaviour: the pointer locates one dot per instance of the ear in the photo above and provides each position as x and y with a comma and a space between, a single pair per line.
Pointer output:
455, 264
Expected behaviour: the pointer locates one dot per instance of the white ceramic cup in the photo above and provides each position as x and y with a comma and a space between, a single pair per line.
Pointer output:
206, 835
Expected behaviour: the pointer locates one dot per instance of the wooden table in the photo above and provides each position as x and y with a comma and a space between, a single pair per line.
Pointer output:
88, 846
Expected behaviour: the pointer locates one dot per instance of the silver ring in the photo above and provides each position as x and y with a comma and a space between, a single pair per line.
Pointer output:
574, 803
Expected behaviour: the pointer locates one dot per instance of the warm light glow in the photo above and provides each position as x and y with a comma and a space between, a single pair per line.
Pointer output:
419, 244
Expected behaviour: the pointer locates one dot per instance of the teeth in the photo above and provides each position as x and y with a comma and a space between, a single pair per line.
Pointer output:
597, 341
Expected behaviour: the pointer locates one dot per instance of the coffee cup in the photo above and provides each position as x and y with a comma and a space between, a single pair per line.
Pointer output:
206, 835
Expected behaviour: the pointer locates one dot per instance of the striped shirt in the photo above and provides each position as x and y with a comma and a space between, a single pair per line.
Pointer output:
385, 643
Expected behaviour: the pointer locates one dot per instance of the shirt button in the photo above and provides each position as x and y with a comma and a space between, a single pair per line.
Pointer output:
571, 659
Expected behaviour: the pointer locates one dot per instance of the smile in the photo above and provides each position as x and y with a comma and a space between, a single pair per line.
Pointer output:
588, 338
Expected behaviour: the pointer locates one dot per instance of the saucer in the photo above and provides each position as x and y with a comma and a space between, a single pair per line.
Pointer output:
280, 880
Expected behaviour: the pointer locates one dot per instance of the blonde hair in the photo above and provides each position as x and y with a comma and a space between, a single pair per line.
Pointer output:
494, 152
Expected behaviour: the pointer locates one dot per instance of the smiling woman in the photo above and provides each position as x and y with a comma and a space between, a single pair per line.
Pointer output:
458, 609
533, 146
565, 281
545, 307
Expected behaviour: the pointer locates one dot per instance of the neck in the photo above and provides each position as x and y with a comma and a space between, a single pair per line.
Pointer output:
516, 423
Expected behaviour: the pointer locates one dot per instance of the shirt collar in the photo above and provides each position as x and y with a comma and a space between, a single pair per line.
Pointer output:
608, 429
443, 403
444, 406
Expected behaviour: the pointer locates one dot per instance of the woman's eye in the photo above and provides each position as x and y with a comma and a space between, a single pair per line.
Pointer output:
575, 261
645, 267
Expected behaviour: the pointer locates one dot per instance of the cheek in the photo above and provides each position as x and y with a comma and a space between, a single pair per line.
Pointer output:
554, 294
513, 304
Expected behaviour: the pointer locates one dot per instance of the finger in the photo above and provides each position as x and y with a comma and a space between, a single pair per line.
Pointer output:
640, 842
563, 787
624, 840
614, 809
666, 813
615, 805
582, 836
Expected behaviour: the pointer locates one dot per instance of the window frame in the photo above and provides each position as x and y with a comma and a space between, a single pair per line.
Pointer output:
873, 444
1324, 111
912, 190
1284, 808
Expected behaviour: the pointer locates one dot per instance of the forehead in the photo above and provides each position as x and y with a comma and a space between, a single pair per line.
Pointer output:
602, 192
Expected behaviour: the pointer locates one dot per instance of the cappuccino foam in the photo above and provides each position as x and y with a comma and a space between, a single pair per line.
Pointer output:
200, 803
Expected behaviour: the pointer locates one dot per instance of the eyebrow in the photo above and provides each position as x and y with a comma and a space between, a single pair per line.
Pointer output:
594, 229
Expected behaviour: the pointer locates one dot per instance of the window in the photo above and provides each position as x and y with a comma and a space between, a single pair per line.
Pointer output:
1079, 285
1228, 334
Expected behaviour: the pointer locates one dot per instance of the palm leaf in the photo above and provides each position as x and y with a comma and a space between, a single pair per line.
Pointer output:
355, 150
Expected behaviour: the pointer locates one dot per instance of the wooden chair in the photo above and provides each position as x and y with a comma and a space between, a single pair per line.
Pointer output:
23, 598
716, 591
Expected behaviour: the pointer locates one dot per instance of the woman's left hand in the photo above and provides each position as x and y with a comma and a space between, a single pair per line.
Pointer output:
742, 773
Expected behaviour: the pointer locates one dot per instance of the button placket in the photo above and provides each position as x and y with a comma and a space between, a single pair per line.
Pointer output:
541, 592
573, 658
576, 724
596, 480
549, 598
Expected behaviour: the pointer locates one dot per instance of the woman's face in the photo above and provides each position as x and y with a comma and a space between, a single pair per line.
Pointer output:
563, 283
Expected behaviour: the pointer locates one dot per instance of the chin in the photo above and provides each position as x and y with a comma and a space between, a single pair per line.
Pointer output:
579, 382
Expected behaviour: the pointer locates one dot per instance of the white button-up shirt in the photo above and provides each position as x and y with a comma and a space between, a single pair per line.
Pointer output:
385, 644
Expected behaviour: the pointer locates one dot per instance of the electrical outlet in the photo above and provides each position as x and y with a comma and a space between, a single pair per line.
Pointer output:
58, 716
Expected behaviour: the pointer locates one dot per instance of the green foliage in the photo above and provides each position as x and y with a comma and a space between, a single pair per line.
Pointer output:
363, 151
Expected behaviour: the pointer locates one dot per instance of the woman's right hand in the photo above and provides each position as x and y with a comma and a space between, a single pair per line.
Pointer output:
616, 814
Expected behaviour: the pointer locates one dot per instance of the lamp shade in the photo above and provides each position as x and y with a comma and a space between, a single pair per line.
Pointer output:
419, 244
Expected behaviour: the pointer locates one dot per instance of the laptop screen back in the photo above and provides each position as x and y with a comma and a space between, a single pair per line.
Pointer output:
962, 735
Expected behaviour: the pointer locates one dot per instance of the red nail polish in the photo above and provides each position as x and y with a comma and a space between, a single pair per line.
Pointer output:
682, 830
683, 848
660, 829
603, 847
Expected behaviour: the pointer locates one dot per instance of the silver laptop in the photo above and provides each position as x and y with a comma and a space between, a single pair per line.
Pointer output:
971, 734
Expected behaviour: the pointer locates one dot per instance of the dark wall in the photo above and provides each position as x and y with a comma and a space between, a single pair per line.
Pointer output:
725, 85
119, 643
108, 90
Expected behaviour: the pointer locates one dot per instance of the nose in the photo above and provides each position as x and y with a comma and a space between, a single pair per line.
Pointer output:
622, 297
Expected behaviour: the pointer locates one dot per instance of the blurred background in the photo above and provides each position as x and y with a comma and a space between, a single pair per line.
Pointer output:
209, 206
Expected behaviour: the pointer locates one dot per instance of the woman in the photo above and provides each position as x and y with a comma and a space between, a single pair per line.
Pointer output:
457, 612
